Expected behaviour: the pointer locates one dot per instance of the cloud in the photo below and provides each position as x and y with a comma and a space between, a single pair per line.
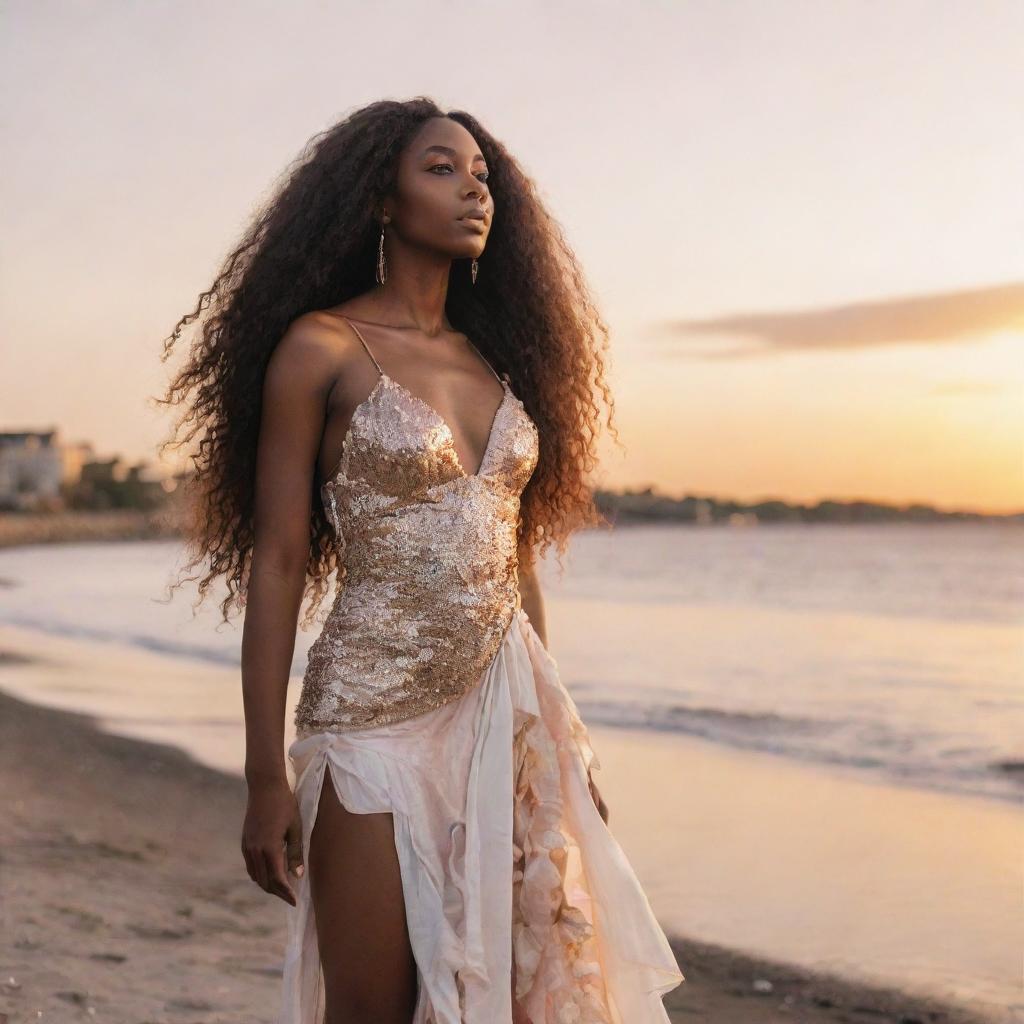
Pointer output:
936, 319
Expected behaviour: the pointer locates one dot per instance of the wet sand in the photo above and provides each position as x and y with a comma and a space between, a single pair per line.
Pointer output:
125, 898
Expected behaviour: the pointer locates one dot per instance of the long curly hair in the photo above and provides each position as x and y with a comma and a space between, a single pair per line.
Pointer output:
313, 246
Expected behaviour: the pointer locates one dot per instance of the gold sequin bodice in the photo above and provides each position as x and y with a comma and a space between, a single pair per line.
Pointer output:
430, 555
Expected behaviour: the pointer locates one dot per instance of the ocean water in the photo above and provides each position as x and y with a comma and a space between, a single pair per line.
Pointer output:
891, 651
808, 733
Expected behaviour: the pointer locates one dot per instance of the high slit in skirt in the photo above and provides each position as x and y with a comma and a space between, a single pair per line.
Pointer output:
504, 858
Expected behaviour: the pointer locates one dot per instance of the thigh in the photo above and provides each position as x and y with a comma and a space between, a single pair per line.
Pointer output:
356, 889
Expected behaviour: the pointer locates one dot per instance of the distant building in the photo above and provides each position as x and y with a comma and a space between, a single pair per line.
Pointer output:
40, 474
112, 483
742, 519
32, 470
703, 512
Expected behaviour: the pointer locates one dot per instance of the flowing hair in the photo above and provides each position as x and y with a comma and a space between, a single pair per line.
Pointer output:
313, 245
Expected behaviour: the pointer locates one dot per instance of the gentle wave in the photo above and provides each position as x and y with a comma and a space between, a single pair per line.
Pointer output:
867, 746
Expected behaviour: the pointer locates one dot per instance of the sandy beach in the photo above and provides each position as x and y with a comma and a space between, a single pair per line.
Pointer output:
125, 897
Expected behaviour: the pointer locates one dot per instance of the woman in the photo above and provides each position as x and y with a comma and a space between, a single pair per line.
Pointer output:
396, 382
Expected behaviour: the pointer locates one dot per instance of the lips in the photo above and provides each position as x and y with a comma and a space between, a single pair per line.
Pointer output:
474, 215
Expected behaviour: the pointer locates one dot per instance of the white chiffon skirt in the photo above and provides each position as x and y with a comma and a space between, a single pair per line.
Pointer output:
503, 854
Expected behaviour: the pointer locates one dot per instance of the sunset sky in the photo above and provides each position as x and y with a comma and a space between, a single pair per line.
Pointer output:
804, 222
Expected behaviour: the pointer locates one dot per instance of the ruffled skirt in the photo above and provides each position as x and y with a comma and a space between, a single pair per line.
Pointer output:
504, 858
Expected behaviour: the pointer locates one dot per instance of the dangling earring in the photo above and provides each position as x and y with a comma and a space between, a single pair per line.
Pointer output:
474, 266
382, 263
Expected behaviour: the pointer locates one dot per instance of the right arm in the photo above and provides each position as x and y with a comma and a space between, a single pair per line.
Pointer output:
295, 388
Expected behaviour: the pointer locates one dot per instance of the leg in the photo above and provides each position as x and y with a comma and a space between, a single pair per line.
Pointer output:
356, 890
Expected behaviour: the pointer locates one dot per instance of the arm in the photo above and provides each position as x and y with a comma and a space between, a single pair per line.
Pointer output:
295, 388
532, 598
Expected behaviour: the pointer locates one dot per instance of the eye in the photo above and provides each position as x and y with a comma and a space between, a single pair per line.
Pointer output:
486, 174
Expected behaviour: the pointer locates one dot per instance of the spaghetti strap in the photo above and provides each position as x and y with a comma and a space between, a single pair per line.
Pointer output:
502, 379
367, 347
486, 362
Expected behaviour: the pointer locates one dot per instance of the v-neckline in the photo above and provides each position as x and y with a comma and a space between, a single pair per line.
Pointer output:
451, 434
382, 378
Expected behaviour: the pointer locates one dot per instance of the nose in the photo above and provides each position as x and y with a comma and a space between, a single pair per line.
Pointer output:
480, 201
476, 187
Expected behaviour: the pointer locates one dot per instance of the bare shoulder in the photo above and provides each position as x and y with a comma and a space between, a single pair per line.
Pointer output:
317, 347
319, 334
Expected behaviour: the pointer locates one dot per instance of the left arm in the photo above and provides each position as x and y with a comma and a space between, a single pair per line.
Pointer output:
533, 605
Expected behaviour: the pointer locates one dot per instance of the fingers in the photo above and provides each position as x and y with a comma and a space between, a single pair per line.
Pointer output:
277, 882
294, 848
266, 868
254, 864
248, 861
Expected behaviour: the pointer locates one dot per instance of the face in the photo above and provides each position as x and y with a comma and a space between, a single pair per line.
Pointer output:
442, 178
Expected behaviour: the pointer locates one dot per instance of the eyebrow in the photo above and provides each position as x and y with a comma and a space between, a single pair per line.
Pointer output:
449, 151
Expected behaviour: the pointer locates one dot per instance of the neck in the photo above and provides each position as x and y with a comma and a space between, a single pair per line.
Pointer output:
415, 291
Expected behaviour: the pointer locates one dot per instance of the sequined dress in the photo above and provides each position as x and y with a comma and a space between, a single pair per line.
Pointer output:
429, 695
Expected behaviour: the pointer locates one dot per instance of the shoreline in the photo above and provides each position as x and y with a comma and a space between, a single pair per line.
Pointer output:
82, 527
23, 529
132, 898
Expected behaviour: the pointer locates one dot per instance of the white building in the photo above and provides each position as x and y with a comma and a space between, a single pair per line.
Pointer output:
33, 465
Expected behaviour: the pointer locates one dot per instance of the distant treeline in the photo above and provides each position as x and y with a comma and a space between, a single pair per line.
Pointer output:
648, 505
622, 508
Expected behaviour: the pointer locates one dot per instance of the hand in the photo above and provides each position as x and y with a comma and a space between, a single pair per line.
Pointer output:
602, 807
272, 837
